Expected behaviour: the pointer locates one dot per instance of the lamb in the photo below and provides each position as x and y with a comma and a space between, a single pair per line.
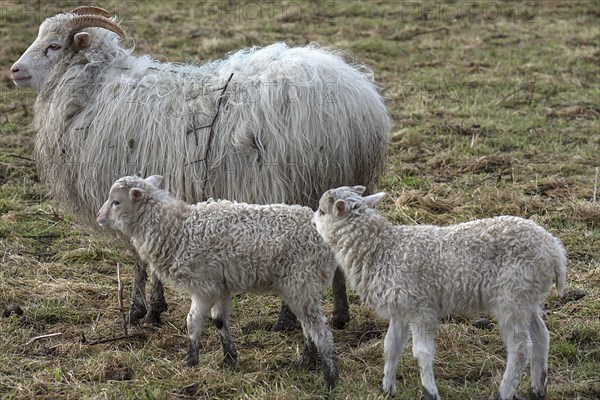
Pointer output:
264, 125
414, 275
212, 249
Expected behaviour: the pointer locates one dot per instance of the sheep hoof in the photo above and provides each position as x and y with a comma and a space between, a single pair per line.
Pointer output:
154, 318
190, 361
537, 395
389, 392
515, 397
307, 362
230, 360
331, 379
136, 314
429, 396
340, 319
286, 321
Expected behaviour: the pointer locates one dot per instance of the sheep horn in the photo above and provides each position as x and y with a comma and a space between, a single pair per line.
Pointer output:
91, 10
95, 21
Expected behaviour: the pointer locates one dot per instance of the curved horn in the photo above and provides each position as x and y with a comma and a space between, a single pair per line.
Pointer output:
91, 10
95, 21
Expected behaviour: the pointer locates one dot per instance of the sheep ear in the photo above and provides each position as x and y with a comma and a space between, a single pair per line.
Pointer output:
358, 189
82, 40
136, 194
373, 199
154, 180
339, 208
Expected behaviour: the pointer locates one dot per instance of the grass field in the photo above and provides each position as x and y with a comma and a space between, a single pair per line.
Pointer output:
496, 110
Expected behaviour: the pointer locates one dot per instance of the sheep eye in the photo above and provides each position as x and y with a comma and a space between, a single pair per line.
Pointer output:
320, 212
52, 47
115, 203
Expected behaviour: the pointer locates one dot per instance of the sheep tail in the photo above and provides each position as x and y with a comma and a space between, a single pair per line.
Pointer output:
560, 269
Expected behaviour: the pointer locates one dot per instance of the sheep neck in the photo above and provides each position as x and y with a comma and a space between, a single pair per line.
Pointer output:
357, 243
156, 235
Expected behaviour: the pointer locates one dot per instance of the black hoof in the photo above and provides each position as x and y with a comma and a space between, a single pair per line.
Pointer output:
307, 362
286, 322
154, 318
340, 319
190, 361
230, 358
136, 314
331, 380
515, 397
537, 395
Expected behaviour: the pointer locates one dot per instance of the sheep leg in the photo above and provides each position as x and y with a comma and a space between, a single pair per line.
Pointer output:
395, 339
220, 317
515, 335
539, 356
158, 303
137, 309
314, 326
341, 314
309, 355
286, 320
195, 323
423, 335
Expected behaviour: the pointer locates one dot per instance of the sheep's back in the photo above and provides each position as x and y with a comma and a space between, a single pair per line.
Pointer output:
260, 248
467, 267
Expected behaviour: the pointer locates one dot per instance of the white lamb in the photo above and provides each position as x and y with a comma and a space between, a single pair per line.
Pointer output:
414, 275
214, 248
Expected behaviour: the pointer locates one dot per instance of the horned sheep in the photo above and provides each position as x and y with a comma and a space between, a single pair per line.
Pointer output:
414, 275
265, 125
213, 249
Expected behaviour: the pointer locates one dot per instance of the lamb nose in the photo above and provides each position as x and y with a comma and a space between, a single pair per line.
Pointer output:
14, 69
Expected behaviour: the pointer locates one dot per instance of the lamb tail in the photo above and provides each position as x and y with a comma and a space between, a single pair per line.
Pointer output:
560, 269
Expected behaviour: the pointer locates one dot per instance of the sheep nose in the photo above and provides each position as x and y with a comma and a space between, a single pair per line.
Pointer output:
14, 69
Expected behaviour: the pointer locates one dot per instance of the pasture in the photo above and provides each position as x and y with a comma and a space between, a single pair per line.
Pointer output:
496, 111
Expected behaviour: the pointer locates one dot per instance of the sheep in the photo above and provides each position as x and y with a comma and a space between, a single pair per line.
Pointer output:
215, 248
265, 125
414, 275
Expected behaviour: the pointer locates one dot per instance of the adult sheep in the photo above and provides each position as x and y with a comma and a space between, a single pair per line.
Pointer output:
264, 125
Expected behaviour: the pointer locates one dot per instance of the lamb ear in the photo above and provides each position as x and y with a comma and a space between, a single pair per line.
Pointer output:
154, 180
339, 208
82, 40
136, 194
373, 199
359, 189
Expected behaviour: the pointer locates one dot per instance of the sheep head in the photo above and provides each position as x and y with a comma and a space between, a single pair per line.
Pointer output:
120, 210
61, 35
337, 205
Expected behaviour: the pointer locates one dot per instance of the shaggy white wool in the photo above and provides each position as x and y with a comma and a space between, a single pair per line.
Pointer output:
414, 275
215, 248
292, 123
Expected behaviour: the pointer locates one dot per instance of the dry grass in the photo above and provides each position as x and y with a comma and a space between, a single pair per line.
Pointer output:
496, 110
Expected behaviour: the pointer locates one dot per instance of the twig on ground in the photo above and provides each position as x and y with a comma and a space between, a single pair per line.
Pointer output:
596, 184
120, 298
137, 334
20, 157
42, 337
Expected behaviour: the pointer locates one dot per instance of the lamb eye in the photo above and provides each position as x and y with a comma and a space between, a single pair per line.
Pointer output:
115, 203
